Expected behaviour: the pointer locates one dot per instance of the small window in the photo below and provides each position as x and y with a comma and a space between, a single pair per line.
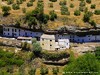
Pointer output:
8, 29
15, 30
8, 33
50, 45
50, 40
12, 29
19, 30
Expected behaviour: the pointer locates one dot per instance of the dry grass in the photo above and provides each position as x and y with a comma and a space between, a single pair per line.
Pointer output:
56, 7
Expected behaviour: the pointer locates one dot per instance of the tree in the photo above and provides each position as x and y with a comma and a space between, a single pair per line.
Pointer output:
92, 22
77, 12
86, 63
87, 16
53, 15
6, 10
37, 49
97, 53
88, 1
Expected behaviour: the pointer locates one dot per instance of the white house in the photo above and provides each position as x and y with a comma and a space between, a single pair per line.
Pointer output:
49, 42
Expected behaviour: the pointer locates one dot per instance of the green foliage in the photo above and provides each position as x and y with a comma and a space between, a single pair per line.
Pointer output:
10, 1
15, 6
24, 10
77, 12
5, 10
32, 0
63, 2
50, 5
87, 16
37, 48
88, 1
97, 12
86, 63
55, 70
71, 5
82, 3
32, 71
8, 58
54, 56
43, 71
64, 10
92, 22
97, 53
25, 46
29, 4
53, 15
93, 6
53, 0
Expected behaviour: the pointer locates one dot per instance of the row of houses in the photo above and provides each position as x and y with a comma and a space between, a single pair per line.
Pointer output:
50, 41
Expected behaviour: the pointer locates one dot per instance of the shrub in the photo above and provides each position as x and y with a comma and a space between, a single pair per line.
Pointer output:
10, 1
97, 53
71, 5
5, 10
64, 10
15, 6
24, 10
37, 49
77, 12
82, 3
87, 16
93, 6
43, 71
50, 5
86, 63
92, 22
55, 70
88, 1
29, 4
32, 0
54, 56
53, 0
97, 12
63, 2
32, 71
53, 15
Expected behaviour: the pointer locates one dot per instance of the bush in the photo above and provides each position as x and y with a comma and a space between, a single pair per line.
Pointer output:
93, 6
54, 56
15, 6
86, 63
64, 10
92, 22
37, 49
50, 5
88, 1
5, 10
55, 70
24, 10
63, 2
32, 71
97, 12
43, 71
71, 5
53, 0
87, 16
29, 4
10, 1
53, 15
82, 3
77, 12
97, 53
32, 0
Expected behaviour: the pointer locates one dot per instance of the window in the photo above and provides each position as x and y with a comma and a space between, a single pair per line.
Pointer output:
42, 39
8, 29
50, 40
12, 29
50, 45
8, 33
19, 30
15, 30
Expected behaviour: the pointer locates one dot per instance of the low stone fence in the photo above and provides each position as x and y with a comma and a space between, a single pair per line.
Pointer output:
10, 42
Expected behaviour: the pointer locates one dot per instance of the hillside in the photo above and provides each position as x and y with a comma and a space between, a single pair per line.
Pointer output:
67, 19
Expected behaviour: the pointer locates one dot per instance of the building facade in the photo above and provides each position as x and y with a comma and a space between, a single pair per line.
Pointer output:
51, 42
